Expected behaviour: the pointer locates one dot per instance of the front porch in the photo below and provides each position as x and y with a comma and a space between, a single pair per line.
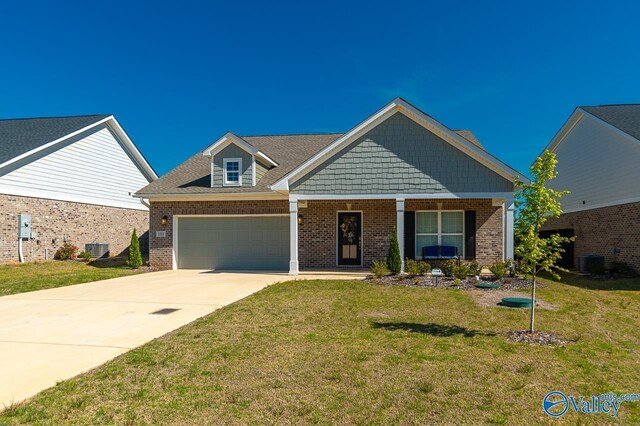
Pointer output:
480, 225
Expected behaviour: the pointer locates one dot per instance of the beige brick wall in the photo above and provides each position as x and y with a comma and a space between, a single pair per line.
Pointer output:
317, 233
81, 223
161, 248
599, 231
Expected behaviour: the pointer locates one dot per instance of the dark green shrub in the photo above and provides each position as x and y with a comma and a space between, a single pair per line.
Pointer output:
475, 268
379, 268
447, 267
135, 257
424, 267
460, 271
394, 261
86, 256
499, 269
622, 268
412, 267
66, 252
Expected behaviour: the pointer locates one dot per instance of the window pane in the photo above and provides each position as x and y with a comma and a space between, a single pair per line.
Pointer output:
426, 222
452, 222
233, 166
425, 241
232, 176
453, 240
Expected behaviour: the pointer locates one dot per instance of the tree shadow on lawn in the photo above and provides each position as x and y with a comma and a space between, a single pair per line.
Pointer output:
430, 328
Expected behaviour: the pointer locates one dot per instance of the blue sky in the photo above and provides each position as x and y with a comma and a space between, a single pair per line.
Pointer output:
178, 75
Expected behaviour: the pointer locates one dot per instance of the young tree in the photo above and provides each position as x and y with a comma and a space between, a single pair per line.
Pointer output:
135, 257
536, 203
394, 262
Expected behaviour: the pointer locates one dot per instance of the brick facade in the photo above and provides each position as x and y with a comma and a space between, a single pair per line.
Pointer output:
317, 233
52, 220
599, 231
160, 254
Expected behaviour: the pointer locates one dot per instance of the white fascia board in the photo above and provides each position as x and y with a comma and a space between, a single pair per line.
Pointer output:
400, 105
54, 142
133, 150
573, 120
229, 138
254, 196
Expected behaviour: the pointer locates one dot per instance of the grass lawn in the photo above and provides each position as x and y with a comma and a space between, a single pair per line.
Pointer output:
351, 352
20, 278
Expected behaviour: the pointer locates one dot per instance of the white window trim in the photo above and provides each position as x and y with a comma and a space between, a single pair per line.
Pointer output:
226, 182
439, 233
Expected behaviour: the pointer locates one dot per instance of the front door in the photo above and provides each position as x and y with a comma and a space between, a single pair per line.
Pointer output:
349, 238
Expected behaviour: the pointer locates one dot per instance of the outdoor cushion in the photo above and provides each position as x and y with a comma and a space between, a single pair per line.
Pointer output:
448, 251
430, 251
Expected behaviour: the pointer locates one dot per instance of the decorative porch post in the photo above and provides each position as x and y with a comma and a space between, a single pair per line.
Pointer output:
400, 228
293, 238
509, 209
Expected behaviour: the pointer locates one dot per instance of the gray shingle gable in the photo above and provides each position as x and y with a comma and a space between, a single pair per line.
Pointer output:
623, 117
21, 135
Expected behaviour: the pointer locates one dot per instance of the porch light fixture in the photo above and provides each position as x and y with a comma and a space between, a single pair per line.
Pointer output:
163, 221
300, 219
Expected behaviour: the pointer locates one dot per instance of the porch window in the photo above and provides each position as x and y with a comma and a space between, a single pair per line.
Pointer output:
439, 228
232, 167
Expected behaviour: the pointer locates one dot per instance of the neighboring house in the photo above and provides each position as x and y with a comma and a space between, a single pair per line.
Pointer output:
74, 177
298, 202
598, 153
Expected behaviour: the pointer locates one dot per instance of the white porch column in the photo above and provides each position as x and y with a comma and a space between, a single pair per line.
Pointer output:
400, 228
293, 238
509, 208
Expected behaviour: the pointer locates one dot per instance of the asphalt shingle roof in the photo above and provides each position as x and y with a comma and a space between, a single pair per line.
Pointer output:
624, 117
289, 151
194, 175
21, 135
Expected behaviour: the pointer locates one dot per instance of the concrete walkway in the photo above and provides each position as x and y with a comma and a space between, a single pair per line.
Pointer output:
50, 335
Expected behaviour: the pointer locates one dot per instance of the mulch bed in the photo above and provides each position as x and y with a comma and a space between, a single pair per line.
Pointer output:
427, 281
536, 338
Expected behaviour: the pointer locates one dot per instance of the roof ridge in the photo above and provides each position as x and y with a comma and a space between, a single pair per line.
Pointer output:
55, 117
607, 105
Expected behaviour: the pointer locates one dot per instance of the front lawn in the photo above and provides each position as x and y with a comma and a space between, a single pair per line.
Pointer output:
337, 352
23, 277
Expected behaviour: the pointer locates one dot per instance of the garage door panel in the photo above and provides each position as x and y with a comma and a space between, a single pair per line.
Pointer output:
240, 243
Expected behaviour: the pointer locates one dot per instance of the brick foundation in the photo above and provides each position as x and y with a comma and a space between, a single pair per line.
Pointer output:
317, 233
599, 231
52, 220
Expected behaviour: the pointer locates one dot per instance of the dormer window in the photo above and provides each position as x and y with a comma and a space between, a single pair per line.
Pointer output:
232, 171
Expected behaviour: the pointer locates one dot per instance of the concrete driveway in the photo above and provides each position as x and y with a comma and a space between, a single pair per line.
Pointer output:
50, 335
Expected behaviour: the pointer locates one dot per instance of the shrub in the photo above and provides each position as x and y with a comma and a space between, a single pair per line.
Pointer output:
456, 281
135, 257
379, 269
475, 268
66, 252
622, 268
460, 271
424, 267
394, 262
412, 267
86, 256
499, 269
447, 267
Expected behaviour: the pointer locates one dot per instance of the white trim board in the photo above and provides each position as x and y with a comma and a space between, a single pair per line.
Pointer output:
231, 138
400, 105
435, 196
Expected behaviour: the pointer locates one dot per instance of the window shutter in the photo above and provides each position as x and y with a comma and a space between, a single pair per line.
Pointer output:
410, 235
470, 234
